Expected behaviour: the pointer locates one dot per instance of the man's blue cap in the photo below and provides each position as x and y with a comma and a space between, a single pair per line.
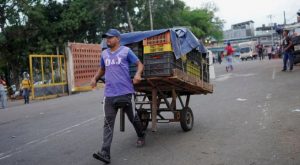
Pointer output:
112, 33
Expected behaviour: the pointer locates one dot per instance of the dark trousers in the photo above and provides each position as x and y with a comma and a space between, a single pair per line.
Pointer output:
270, 56
261, 56
288, 56
26, 95
109, 120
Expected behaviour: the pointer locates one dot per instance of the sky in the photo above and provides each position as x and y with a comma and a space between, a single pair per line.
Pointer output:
236, 11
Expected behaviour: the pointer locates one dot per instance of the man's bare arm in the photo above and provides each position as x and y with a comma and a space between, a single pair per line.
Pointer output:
98, 75
138, 75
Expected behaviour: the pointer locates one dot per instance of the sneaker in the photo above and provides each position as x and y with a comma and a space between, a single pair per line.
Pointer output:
283, 70
141, 141
102, 157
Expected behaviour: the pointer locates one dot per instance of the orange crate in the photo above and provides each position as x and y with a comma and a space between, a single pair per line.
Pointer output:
163, 38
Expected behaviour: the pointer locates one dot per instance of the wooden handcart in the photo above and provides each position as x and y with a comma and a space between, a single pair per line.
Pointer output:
158, 95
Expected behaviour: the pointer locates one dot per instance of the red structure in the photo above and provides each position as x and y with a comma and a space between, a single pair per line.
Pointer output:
83, 63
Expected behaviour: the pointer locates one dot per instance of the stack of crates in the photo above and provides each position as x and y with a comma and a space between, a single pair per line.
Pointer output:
193, 64
158, 43
137, 49
196, 65
159, 59
161, 64
205, 67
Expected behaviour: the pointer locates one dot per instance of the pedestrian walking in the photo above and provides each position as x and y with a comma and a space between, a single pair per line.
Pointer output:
269, 51
220, 57
228, 55
26, 86
260, 51
288, 49
114, 66
3, 95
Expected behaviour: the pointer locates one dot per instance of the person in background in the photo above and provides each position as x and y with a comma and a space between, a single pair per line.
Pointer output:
288, 49
269, 51
220, 55
228, 55
25, 86
3, 97
260, 51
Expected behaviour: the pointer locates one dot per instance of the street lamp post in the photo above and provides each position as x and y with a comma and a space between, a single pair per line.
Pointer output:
298, 18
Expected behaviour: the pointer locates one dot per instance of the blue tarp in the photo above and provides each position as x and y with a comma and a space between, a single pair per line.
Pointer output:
183, 40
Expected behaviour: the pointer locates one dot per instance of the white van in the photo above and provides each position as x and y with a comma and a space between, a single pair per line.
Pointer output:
247, 50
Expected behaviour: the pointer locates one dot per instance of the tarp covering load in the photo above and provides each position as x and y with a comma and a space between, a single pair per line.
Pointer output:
174, 55
182, 39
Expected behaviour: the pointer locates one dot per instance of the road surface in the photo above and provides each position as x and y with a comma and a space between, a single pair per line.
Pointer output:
252, 118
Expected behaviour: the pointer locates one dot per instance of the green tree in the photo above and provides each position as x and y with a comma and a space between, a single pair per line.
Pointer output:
44, 26
203, 22
13, 37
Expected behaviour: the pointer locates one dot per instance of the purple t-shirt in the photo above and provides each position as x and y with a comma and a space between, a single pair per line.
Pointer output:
117, 77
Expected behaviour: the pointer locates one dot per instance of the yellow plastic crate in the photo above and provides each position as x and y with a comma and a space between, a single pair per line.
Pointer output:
157, 48
193, 69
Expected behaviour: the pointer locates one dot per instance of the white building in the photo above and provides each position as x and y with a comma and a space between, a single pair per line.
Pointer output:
240, 30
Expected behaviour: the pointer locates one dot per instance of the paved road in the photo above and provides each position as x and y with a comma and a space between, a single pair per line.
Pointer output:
251, 119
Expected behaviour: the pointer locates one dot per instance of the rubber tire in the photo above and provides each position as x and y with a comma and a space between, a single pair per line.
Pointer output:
186, 119
144, 117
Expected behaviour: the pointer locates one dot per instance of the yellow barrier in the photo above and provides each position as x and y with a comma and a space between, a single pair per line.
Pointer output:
48, 76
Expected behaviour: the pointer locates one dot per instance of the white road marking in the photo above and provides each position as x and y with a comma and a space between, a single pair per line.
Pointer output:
232, 75
245, 75
240, 99
274, 74
33, 141
265, 111
4, 157
44, 139
269, 96
296, 110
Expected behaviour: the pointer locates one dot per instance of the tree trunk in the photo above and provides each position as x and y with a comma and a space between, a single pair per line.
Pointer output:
128, 16
150, 14
129, 21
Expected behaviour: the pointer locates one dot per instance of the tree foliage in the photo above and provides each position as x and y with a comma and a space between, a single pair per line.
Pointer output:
44, 26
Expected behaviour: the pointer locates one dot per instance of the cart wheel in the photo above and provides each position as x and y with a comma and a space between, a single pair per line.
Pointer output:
186, 119
144, 117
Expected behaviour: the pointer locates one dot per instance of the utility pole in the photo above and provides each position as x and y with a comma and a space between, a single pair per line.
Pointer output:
284, 19
150, 14
270, 17
271, 25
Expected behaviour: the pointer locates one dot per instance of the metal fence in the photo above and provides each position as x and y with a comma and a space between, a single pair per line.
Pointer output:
48, 76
